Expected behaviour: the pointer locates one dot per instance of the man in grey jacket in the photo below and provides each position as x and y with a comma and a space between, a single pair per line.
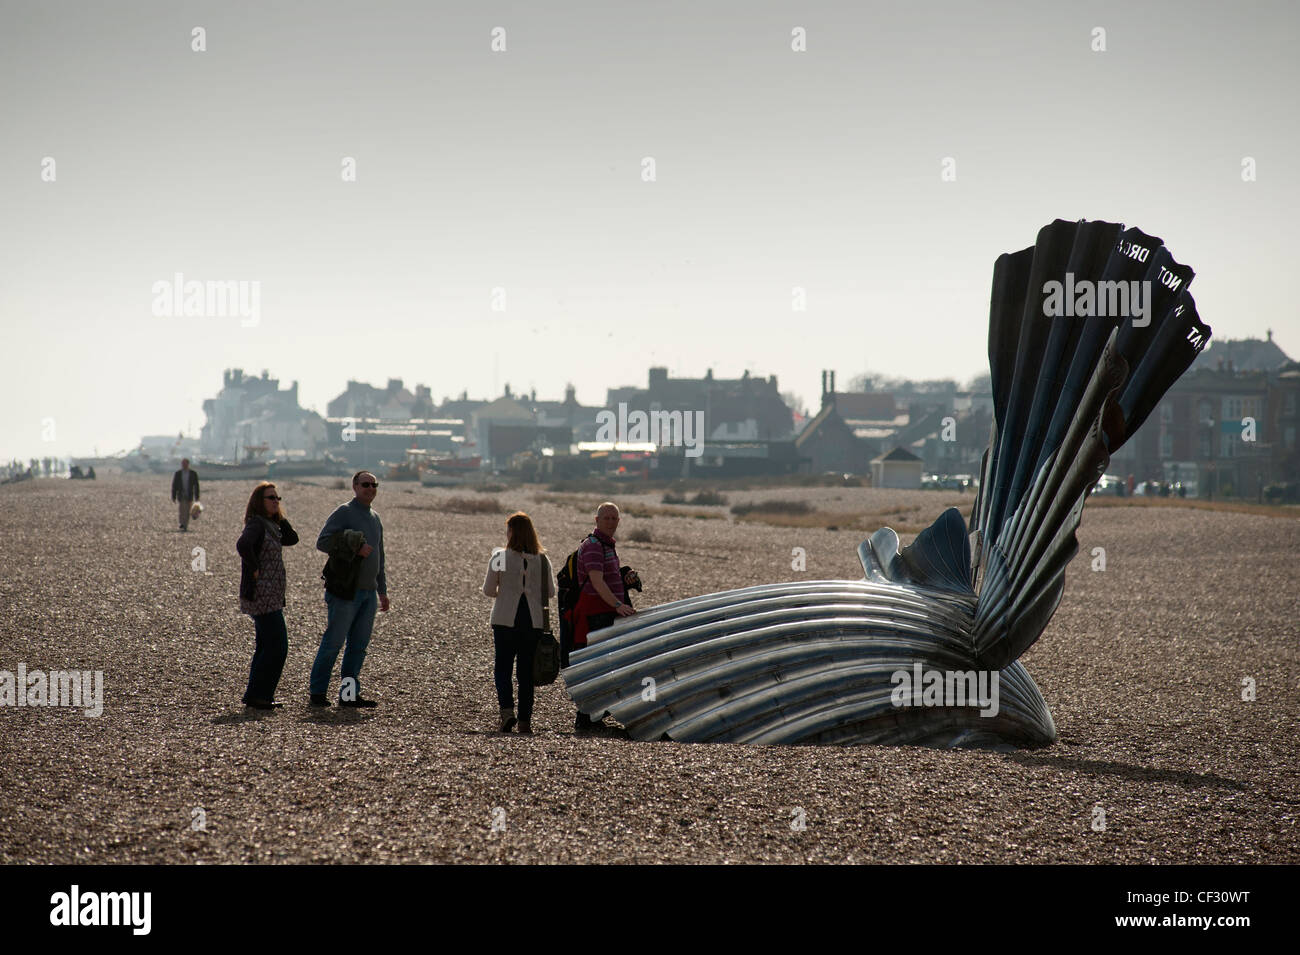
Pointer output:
354, 582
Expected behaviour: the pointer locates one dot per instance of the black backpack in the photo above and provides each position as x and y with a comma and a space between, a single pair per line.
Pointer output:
568, 587
568, 590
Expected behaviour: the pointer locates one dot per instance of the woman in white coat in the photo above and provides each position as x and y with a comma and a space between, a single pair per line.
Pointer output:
519, 576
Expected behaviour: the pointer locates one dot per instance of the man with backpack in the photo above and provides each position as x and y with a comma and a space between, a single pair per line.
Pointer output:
593, 592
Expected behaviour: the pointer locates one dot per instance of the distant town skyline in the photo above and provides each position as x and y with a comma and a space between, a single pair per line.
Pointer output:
811, 398
467, 196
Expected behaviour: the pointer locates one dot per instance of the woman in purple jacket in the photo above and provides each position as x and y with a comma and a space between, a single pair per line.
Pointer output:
261, 591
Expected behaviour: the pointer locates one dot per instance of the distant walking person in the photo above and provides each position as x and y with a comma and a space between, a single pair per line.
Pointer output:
604, 590
354, 580
261, 591
185, 491
519, 577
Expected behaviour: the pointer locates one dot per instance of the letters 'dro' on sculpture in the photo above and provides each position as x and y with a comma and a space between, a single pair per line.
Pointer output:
1088, 328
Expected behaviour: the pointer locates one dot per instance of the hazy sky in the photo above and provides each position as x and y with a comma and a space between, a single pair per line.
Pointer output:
523, 170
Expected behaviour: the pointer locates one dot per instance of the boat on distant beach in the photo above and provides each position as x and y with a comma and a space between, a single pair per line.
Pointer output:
327, 466
409, 469
450, 471
220, 471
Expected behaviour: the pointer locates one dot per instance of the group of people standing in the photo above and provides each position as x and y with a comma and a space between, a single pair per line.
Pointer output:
355, 587
522, 599
520, 578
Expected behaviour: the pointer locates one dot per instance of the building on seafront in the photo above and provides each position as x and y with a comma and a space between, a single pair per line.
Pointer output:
1226, 428
946, 431
255, 413
747, 408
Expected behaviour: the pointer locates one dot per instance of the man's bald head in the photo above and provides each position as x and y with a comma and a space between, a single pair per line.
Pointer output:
607, 519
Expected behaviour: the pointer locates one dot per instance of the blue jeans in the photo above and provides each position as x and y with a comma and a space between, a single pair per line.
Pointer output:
350, 621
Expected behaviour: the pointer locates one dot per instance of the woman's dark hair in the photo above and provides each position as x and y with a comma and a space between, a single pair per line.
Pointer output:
255, 508
521, 535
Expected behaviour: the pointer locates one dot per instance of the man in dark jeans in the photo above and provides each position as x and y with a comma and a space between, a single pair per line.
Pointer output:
604, 592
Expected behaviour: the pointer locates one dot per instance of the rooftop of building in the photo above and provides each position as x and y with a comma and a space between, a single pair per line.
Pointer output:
1242, 354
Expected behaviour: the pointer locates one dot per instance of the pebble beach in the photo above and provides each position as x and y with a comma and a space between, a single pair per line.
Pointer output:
1159, 758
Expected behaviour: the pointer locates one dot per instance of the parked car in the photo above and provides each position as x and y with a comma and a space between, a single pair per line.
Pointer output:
1111, 484
1287, 492
947, 482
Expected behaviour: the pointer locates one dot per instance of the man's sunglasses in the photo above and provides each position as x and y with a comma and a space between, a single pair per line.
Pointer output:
368, 483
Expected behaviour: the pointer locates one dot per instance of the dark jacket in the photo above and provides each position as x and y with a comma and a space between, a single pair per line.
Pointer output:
343, 569
354, 516
249, 546
176, 483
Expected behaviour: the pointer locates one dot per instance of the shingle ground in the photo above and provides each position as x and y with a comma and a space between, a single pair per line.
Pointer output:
1143, 667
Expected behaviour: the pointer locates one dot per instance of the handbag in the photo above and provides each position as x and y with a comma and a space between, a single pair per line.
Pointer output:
546, 656
546, 659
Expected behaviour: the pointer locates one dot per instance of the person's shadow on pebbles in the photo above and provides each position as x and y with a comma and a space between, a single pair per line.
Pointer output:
341, 716
327, 717
243, 716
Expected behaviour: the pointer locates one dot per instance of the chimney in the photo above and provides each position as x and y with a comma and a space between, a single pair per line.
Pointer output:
832, 381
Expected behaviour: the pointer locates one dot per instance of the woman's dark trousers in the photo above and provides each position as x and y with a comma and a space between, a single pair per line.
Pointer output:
515, 643
268, 658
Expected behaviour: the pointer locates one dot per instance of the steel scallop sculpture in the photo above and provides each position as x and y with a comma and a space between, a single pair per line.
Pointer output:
1088, 328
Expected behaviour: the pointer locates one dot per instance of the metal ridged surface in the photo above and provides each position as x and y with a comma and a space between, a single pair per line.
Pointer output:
810, 662
1068, 392
818, 661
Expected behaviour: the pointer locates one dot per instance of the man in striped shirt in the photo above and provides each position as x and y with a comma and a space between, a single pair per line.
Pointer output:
603, 598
